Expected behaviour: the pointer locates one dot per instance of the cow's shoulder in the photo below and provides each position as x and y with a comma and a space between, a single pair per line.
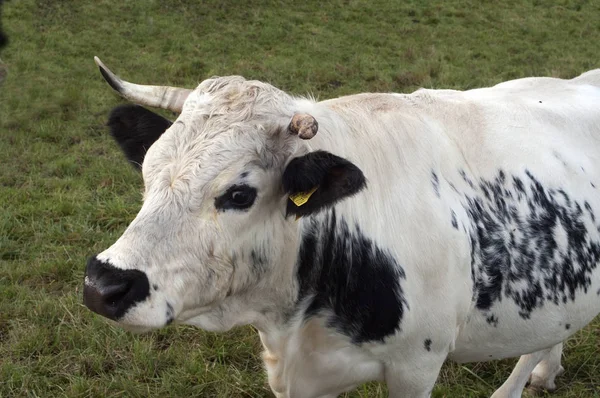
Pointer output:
350, 280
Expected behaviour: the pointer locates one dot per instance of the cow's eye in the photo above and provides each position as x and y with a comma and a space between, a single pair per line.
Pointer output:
238, 197
242, 198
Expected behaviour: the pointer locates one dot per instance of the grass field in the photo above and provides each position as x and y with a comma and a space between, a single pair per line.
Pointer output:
66, 191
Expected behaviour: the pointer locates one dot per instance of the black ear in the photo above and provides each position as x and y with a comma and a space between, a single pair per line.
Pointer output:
135, 129
318, 180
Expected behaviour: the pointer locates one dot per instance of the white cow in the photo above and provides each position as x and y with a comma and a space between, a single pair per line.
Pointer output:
411, 229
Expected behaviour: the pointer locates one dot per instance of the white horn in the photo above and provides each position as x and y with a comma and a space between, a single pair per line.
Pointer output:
164, 97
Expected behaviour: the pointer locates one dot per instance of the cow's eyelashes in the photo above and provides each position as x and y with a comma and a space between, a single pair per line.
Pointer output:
237, 197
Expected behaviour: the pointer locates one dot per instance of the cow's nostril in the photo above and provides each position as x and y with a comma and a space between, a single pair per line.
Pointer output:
110, 291
114, 294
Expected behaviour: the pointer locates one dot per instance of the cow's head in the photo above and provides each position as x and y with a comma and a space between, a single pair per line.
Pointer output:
215, 241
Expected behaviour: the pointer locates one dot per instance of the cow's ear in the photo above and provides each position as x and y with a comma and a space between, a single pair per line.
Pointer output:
135, 129
318, 180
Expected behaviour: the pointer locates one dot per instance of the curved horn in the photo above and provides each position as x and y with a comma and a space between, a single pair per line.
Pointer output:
304, 126
164, 97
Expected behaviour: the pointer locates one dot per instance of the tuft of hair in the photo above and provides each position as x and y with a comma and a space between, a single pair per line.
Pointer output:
237, 101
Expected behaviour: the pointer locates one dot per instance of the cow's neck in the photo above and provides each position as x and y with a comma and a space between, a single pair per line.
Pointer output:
335, 259
344, 284
350, 126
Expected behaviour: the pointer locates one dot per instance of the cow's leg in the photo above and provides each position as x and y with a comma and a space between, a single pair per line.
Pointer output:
542, 377
414, 377
514, 385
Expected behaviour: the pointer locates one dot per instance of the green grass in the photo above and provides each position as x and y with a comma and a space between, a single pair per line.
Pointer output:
66, 191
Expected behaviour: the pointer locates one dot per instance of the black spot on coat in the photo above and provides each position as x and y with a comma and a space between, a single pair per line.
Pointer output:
492, 320
170, 314
514, 253
259, 261
346, 277
464, 176
588, 207
454, 221
427, 344
436, 183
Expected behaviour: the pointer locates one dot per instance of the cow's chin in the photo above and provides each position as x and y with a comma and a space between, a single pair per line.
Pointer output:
207, 323
203, 322
144, 318
205, 319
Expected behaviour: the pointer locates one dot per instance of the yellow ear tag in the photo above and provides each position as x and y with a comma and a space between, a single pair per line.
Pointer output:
301, 198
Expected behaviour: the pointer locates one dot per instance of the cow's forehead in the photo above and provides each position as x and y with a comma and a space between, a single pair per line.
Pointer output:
185, 152
235, 106
235, 99
225, 122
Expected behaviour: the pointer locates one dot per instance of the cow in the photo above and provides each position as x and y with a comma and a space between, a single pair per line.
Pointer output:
366, 237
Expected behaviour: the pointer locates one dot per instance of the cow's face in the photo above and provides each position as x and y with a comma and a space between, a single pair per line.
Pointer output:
214, 233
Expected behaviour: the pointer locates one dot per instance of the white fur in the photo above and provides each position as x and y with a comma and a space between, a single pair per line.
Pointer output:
230, 125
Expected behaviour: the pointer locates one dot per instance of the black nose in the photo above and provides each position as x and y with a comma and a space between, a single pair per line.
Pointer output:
110, 291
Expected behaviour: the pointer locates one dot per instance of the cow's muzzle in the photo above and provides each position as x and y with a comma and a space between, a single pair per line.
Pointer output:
110, 291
